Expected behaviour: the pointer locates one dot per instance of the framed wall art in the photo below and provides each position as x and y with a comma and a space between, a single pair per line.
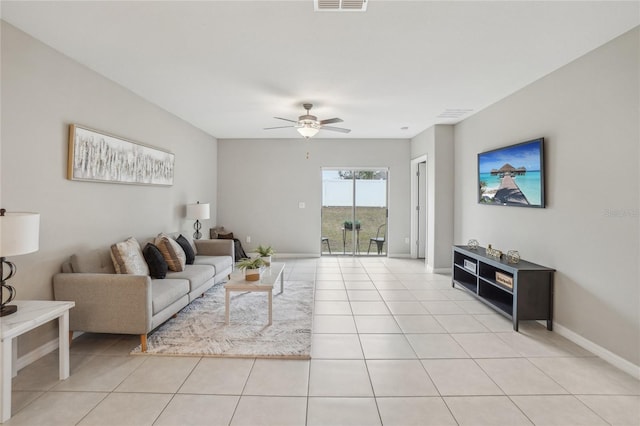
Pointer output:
99, 157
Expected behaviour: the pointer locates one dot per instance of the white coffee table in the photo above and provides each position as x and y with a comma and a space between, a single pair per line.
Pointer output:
269, 277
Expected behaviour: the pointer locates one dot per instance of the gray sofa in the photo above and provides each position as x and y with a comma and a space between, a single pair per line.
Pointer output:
107, 302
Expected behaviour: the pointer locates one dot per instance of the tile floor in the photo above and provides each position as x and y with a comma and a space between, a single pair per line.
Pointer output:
392, 345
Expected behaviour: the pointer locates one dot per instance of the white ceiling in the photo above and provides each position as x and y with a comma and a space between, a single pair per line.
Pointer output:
229, 67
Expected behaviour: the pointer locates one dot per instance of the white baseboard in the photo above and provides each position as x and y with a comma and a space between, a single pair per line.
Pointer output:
605, 354
432, 270
36, 354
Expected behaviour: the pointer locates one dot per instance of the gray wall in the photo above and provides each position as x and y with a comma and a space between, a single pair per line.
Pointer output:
437, 144
588, 113
42, 93
261, 182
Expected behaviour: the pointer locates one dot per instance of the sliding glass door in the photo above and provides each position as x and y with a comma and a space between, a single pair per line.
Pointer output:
354, 211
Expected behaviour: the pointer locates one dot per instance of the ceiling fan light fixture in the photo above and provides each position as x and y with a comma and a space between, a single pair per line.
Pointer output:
308, 130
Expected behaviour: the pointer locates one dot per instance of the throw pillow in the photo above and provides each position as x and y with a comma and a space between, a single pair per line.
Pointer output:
186, 247
228, 236
172, 252
157, 265
127, 258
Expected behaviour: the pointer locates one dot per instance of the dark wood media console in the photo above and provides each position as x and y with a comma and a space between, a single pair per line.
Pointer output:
519, 291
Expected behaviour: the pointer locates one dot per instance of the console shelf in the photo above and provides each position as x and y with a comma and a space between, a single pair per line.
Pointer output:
529, 297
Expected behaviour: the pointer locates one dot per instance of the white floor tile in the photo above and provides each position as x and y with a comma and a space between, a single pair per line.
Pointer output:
146, 378
485, 345
615, 409
127, 408
218, 376
386, 346
419, 324
343, 412
196, 410
333, 324
460, 377
406, 308
460, 324
336, 346
557, 410
278, 378
62, 408
414, 411
436, 346
332, 307
339, 378
376, 324
518, 376
400, 378
485, 411
270, 411
369, 308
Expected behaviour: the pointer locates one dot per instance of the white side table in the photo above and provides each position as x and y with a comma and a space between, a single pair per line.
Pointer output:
31, 314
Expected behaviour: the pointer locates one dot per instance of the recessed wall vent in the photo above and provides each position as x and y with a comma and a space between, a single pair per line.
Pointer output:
454, 113
340, 5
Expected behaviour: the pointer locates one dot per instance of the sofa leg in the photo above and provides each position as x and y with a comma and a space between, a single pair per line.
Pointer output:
174, 315
143, 342
70, 337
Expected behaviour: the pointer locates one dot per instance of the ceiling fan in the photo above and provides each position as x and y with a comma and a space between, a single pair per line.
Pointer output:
308, 125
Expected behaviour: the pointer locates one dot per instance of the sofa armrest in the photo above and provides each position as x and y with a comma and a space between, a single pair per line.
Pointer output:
215, 248
106, 303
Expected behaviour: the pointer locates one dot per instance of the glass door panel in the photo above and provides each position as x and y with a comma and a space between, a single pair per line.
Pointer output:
354, 211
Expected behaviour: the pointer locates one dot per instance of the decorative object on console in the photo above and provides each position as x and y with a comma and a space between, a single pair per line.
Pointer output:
513, 256
513, 175
252, 268
19, 234
198, 212
473, 244
493, 252
100, 157
265, 253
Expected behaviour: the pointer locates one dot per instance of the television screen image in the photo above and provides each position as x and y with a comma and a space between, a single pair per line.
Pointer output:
513, 175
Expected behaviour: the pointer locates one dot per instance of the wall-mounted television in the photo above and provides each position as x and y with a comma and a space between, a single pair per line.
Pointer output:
512, 175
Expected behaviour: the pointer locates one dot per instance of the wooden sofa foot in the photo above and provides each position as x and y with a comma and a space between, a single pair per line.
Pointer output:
70, 337
174, 316
143, 342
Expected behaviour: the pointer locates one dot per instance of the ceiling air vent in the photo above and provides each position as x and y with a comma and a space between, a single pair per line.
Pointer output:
340, 5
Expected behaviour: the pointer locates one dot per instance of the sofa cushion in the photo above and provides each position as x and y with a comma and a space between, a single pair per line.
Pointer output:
196, 274
172, 252
219, 262
94, 261
157, 265
186, 247
127, 258
165, 292
228, 236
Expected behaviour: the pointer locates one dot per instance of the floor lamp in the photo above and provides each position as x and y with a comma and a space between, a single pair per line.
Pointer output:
19, 234
198, 212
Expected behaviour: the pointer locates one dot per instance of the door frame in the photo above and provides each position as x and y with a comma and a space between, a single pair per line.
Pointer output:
414, 234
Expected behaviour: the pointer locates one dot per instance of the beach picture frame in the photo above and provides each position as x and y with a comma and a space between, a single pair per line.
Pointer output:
513, 175
95, 156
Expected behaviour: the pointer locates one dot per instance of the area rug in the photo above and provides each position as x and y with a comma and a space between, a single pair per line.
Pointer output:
200, 330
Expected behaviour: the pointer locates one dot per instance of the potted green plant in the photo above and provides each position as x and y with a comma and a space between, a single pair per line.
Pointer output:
252, 268
349, 225
265, 253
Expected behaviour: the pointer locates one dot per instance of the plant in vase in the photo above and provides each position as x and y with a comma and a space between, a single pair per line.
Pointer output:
252, 268
349, 225
265, 253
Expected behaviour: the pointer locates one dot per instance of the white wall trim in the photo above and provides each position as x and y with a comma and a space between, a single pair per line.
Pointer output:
414, 202
605, 354
36, 354
432, 270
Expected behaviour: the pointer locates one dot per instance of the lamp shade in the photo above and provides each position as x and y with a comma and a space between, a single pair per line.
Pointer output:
198, 211
19, 233
308, 130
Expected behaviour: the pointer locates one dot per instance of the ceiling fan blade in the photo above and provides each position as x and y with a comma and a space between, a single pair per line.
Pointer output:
279, 127
286, 119
331, 121
336, 129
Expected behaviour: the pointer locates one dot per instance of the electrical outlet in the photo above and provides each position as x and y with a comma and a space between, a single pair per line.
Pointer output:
248, 239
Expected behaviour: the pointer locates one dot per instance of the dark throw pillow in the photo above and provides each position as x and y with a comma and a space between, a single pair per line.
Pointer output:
228, 236
157, 265
188, 250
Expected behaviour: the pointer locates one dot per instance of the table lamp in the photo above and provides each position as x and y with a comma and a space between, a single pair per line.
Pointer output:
198, 212
19, 234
